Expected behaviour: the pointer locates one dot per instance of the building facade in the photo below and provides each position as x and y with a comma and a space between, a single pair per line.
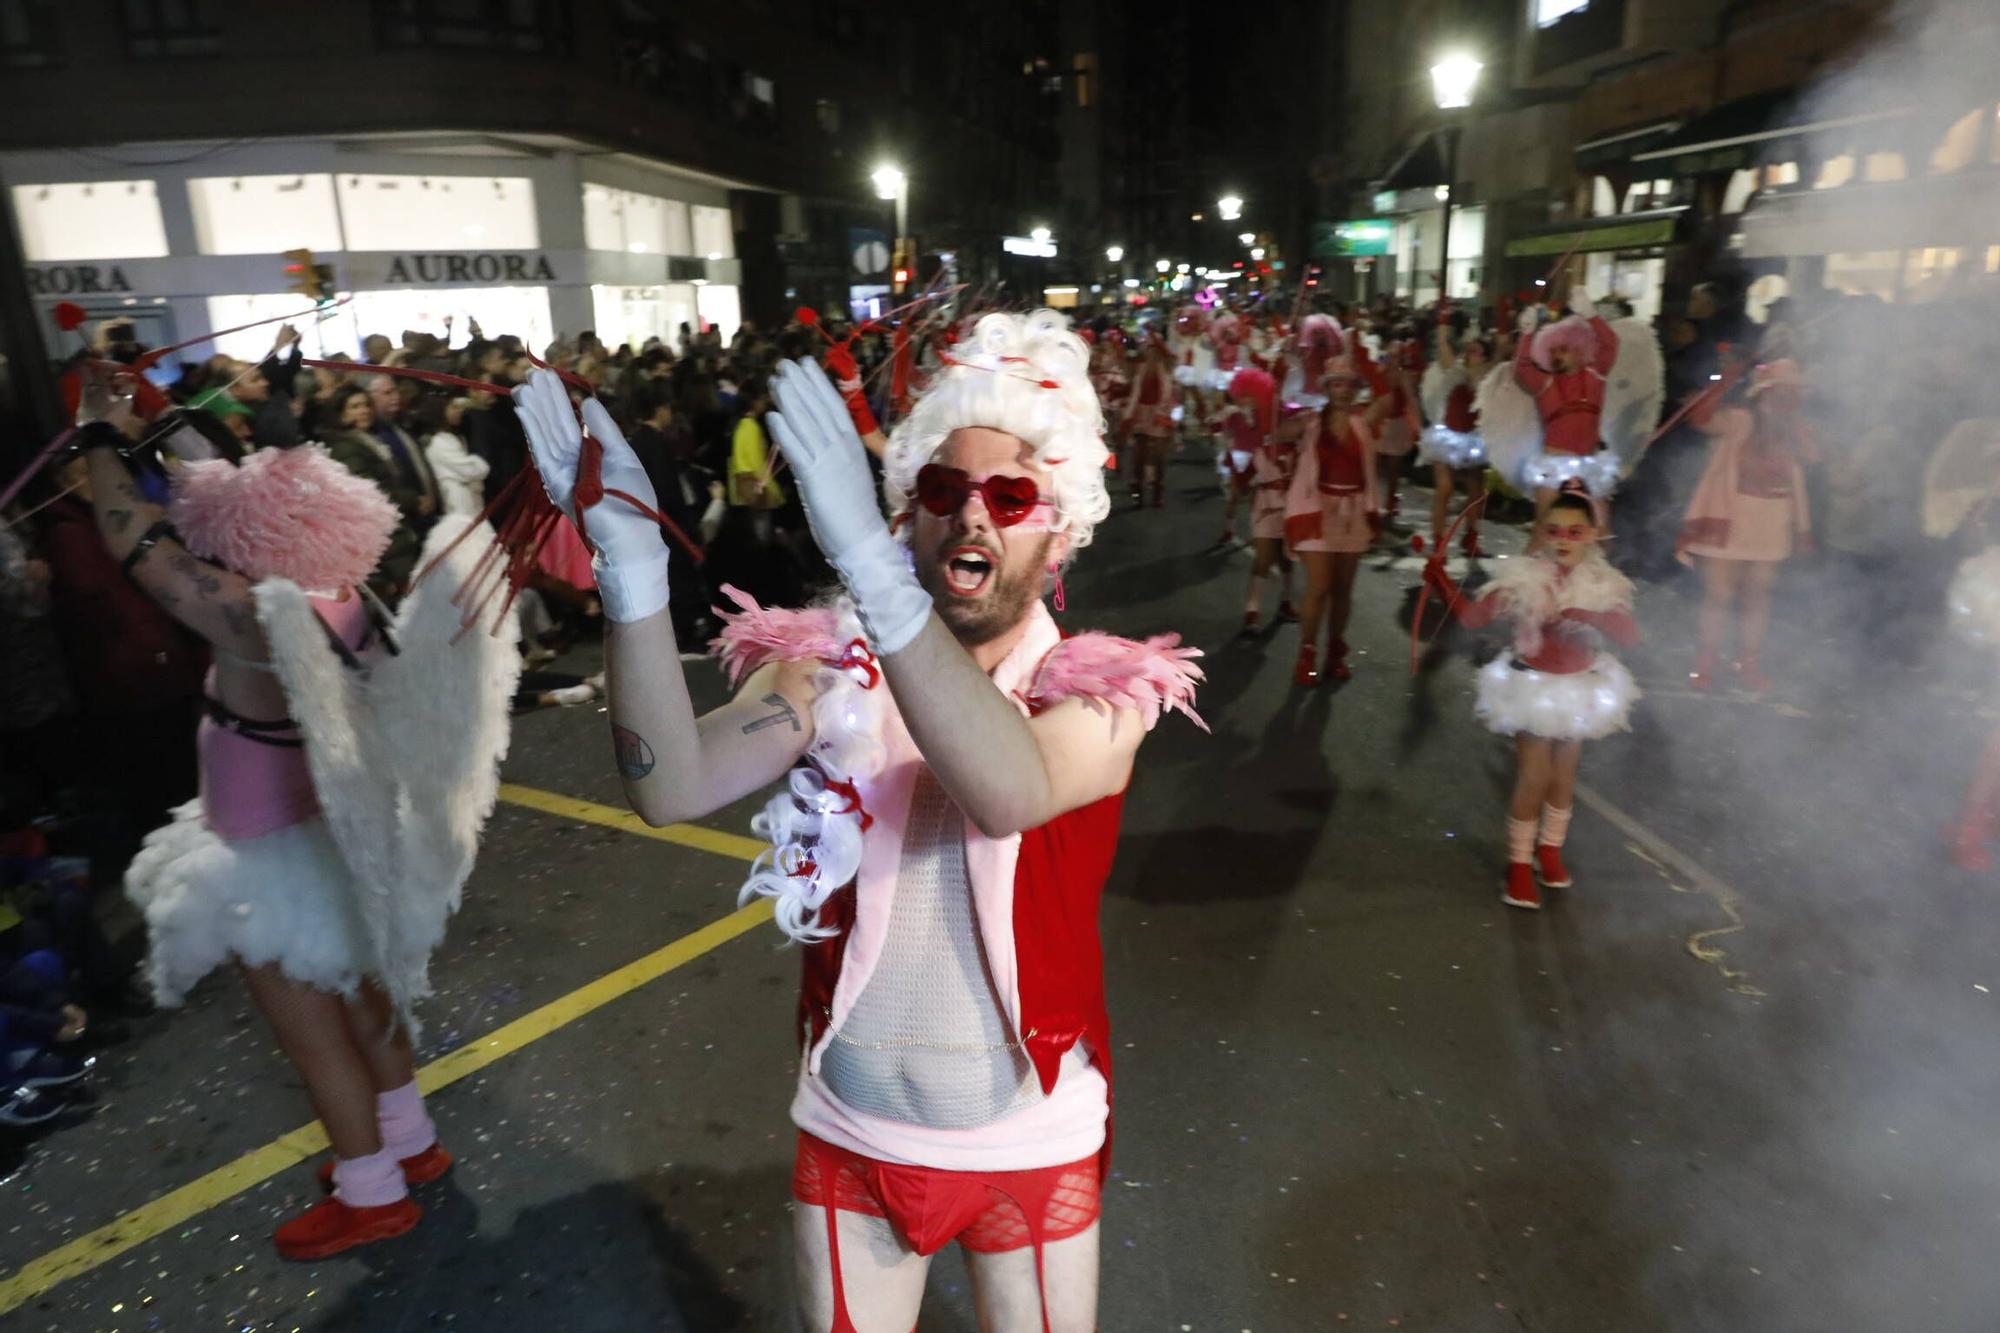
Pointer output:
541, 166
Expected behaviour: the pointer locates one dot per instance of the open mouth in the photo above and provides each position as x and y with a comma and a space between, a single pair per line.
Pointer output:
967, 571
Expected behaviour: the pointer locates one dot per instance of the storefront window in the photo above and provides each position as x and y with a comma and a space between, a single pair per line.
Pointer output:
518, 310
90, 220
634, 314
438, 212
721, 307
523, 311
319, 337
1927, 272
251, 215
1870, 273
636, 223
713, 236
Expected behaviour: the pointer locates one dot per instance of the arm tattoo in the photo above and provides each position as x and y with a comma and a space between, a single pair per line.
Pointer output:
239, 618
635, 757
784, 713
205, 583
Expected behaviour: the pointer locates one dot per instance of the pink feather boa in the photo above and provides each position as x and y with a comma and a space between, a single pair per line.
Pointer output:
753, 635
1150, 677
284, 513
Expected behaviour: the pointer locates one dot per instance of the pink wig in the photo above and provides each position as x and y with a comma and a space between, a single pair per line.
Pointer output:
1320, 338
284, 513
1572, 332
1257, 388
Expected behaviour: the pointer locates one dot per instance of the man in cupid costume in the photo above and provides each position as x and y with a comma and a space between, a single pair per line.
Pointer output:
953, 773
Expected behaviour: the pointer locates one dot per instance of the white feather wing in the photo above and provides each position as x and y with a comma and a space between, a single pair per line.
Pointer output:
1633, 392
1508, 422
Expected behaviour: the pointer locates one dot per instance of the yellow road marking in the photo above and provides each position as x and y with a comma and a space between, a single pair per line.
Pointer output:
683, 835
169, 1210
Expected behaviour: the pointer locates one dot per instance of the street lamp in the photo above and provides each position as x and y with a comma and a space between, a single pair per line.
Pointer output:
1230, 207
1040, 235
1114, 253
891, 183
1163, 264
1246, 237
1453, 80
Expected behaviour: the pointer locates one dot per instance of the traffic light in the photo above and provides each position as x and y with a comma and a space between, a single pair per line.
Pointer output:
309, 279
905, 264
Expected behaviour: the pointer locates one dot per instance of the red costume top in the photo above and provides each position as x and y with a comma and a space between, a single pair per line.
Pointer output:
1570, 403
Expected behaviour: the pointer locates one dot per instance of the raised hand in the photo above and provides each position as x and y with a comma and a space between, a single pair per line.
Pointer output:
812, 427
630, 559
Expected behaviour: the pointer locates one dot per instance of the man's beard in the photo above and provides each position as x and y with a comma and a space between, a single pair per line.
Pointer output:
978, 620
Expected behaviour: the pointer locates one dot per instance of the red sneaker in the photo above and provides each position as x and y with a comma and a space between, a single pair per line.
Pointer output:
330, 1226
1520, 890
1307, 671
1550, 869
1703, 675
420, 1169
1336, 657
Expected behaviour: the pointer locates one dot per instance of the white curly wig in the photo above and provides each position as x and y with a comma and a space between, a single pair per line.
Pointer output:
1026, 375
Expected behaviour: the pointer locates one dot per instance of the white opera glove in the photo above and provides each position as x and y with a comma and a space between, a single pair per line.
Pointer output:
812, 427
1530, 320
1582, 306
630, 561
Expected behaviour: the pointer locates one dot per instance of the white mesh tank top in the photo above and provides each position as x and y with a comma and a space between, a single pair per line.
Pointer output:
926, 1042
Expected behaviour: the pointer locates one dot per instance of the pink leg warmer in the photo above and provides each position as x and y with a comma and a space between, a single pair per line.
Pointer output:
1520, 840
406, 1127
1555, 825
369, 1182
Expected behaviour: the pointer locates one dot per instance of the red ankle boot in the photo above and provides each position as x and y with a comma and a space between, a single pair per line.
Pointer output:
1307, 671
1703, 675
1520, 890
1336, 660
330, 1226
1549, 866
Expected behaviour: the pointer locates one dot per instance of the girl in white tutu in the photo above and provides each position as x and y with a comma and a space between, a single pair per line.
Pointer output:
1555, 690
265, 560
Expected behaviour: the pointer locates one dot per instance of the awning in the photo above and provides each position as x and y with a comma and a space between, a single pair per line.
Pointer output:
1624, 231
1610, 150
1419, 168
1960, 210
1743, 133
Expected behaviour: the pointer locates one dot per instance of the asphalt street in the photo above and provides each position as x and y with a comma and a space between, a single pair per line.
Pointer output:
1740, 1077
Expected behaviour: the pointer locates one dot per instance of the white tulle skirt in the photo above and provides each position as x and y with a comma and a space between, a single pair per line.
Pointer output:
285, 897
1580, 706
1455, 449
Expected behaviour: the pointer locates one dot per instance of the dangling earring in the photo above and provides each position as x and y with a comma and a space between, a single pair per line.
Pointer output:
1055, 568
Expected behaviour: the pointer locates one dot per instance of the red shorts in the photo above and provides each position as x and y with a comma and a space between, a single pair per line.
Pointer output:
988, 1212
985, 1211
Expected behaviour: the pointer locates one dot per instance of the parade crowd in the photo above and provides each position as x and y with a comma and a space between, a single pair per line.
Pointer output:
691, 490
